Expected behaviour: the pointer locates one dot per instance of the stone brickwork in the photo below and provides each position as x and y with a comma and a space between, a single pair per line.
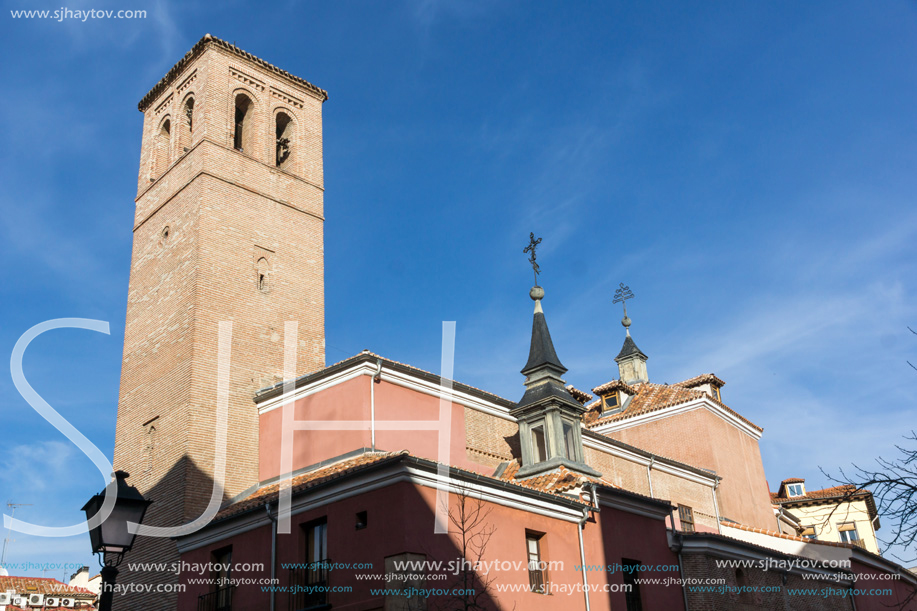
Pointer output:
219, 235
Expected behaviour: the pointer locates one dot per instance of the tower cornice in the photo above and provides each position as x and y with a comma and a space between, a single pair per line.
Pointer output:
209, 41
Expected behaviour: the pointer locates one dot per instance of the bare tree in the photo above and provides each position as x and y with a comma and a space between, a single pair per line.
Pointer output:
469, 524
893, 484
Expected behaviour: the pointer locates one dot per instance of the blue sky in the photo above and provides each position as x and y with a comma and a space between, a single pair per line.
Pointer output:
746, 168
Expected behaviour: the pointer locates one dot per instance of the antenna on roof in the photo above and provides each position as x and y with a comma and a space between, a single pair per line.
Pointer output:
9, 532
622, 294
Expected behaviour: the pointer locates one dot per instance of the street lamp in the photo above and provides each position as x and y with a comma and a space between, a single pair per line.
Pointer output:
112, 536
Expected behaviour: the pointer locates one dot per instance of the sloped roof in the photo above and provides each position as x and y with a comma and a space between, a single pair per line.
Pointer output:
541, 350
629, 349
614, 385
649, 397
579, 395
704, 378
300, 483
825, 496
43, 585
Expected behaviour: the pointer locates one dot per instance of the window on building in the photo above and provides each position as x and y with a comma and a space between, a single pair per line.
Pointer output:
220, 596
795, 490
284, 134
715, 393
570, 441
243, 120
848, 532
686, 517
263, 268
611, 401
187, 124
362, 520
539, 447
538, 577
162, 148
631, 573
311, 579
808, 532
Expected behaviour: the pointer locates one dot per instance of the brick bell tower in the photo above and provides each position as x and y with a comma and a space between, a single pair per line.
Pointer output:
228, 227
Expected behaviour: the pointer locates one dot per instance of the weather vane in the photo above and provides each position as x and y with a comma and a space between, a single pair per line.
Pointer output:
622, 294
531, 248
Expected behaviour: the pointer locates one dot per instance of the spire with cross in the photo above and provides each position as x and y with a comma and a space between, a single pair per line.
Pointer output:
533, 243
622, 294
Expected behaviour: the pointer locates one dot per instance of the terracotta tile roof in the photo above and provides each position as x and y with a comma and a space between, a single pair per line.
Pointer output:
793, 480
650, 397
346, 467
614, 385
199, 47
827, 496
307, 480
557, 481
578, 394
43, 585
704, 378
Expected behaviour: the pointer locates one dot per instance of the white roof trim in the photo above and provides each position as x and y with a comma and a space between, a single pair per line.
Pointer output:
701, 403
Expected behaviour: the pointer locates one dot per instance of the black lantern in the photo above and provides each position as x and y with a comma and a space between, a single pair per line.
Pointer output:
112, 536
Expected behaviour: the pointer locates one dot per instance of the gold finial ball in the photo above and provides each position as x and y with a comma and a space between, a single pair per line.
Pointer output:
626, 322
536, 293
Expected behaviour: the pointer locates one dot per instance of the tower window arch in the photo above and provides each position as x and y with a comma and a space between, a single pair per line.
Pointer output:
187, 123
283, 133
243, 122
263, 275
162, 147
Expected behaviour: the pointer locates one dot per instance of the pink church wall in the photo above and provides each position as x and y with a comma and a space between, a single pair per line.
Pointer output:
350, 401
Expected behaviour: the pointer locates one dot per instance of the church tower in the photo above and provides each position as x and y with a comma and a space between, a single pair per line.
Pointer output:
228, 227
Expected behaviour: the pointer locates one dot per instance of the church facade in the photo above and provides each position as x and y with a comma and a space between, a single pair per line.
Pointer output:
367, 483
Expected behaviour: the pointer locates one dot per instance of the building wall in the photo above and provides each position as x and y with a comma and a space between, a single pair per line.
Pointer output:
636, 477
401, 520
203, 220
780, 596
825, 519
350, 401
702, 439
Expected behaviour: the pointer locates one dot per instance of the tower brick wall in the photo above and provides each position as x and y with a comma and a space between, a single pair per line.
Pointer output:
220, 234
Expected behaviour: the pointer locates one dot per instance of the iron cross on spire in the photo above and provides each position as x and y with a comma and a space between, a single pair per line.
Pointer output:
531, 248
622, 294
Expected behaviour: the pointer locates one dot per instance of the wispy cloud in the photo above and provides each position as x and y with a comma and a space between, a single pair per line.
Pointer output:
36, 466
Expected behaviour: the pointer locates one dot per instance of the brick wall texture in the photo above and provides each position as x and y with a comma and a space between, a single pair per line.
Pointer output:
206, 216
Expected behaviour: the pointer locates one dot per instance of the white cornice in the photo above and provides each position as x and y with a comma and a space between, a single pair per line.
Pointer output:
701, 403
394, 377
629, 504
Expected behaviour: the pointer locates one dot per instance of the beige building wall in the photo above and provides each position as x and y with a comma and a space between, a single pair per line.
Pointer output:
827, 519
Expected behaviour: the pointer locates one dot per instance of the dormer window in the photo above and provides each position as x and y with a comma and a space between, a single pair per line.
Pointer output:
611, 402
715, 393
795, 490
